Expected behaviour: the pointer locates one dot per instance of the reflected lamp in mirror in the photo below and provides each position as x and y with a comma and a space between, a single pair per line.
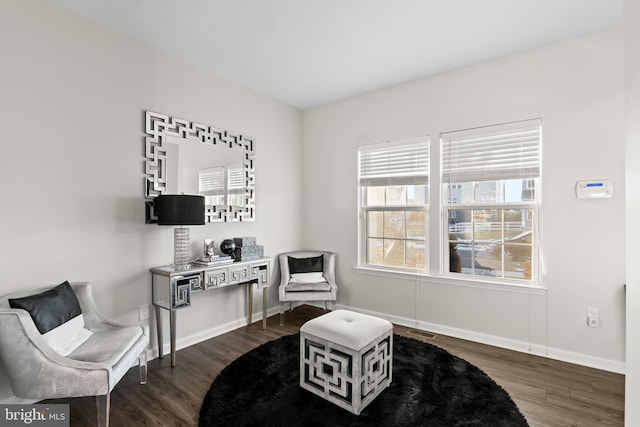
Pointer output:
180, 210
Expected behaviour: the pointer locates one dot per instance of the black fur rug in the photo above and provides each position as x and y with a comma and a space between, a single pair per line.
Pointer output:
430, 387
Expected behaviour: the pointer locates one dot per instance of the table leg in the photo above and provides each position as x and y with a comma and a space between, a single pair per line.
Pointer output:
172, 333
159, 331
250, 297
264, 308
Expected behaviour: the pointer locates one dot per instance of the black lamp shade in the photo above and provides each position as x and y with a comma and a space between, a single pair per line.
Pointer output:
180, 209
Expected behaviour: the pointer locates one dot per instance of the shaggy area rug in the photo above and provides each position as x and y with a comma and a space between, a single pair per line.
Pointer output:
430, 387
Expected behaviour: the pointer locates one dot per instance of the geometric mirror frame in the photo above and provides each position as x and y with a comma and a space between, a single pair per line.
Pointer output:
160, 127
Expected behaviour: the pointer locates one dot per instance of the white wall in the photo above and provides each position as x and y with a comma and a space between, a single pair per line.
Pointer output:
577, 88
632, 155
72, 114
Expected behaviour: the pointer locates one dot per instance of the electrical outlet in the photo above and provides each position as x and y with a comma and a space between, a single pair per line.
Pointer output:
593, 317
143, 312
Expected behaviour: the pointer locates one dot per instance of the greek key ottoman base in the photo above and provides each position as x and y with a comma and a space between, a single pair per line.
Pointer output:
346, 358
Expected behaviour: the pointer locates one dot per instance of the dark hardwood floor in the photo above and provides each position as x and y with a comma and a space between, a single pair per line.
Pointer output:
549, 393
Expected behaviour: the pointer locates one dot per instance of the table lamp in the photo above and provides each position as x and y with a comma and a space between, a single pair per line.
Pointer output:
180, 210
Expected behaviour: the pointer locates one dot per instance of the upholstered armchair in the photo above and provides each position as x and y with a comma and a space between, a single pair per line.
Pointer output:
307, 276
55, 343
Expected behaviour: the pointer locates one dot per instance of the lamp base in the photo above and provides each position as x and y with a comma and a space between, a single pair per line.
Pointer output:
181, 248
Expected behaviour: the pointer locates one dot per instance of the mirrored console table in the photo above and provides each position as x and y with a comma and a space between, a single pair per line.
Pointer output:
172, 289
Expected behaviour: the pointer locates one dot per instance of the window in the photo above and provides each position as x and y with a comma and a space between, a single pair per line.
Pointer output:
490, 183
222, 185
212, 185
235, 185
394, 198
487, 205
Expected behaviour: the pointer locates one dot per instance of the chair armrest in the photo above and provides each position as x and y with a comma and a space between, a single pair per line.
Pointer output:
25, 354
93, 319
330, 269
284, 270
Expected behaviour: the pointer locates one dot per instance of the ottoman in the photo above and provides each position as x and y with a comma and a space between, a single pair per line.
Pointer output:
346, 358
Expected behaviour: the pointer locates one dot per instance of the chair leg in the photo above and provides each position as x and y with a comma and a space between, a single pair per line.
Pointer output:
282, 314
283, 309
103, 405
142, 364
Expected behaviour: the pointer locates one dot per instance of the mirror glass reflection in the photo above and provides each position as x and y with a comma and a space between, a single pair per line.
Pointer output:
215, 172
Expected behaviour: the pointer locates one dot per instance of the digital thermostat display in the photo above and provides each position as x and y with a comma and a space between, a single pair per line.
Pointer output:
594, 189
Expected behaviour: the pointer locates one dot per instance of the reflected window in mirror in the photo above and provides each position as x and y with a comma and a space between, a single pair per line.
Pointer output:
235, 185
212, 185
222, 185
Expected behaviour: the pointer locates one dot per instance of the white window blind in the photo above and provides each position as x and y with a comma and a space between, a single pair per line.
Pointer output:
236, 180
212, 182
398, 163
491, 153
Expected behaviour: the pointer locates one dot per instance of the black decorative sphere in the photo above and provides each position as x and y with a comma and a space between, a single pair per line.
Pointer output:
227, 246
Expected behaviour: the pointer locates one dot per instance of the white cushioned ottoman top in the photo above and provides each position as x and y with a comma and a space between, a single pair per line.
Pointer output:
347, 328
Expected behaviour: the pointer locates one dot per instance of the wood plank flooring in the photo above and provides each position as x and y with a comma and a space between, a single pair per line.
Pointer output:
549, 393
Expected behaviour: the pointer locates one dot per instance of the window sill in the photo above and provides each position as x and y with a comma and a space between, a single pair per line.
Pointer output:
534, 288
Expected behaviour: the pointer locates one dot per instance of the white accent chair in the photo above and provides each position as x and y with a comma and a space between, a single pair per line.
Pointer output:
37, 368
308, 281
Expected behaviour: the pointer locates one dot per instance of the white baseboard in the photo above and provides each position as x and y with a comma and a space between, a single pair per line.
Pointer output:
184, 342
496, 341
586, 360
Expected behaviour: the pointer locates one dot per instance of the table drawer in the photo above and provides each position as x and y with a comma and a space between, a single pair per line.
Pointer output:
216, 278
261, 273
239, 274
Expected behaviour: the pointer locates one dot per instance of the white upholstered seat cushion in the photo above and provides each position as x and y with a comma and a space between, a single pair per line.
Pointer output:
69, 336
347, 328
107, 346
313, 277
306, 287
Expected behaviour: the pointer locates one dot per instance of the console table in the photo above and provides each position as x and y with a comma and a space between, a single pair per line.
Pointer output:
172, 289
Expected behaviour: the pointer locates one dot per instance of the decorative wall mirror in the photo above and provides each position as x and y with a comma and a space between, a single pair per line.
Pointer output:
191, 158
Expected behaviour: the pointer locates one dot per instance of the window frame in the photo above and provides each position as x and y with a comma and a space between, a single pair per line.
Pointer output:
436, 235
533, 206
366, 237
509, 167
364, 208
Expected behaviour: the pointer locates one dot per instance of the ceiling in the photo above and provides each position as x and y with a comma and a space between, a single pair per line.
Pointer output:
306, 53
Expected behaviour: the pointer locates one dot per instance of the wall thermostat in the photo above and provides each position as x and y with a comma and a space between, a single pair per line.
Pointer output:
594, 189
